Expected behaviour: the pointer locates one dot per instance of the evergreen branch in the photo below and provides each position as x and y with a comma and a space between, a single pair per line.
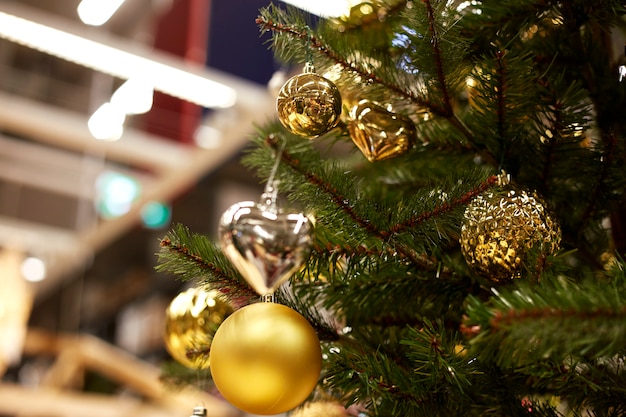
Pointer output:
325, 186
384, 386
437, 56
446, 207
556, 126
513, 317
383, 235
424, 262
269, 25
606, 159
177, 255
447, 111
501, 74
438, 357
551, 321
385, 10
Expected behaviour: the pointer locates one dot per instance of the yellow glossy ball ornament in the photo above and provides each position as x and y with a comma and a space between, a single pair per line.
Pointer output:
265, 359
308, 104
191, 320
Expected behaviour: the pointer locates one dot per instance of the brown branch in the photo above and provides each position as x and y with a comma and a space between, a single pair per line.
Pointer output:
325, 186
239, 293
318, 45
509, 318
383, 235
438, 56
446, 207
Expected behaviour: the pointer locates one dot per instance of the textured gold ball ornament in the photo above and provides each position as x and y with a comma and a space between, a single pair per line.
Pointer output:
499, 231
191, 320
308, 104
378, 133
265, 359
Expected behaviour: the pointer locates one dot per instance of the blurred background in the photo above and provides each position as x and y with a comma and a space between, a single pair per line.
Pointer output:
113, 126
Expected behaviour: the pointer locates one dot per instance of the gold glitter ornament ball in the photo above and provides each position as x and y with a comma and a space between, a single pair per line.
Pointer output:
499, 231
308, 104
191, 320
265, 359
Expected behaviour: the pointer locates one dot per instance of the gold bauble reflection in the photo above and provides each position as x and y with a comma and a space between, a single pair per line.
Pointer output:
191, 320
499, 232
265, 359
378, 133
309, 105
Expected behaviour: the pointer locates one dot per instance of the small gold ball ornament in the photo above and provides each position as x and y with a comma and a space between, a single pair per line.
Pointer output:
265, 358
308, 104
499, 232
191, 320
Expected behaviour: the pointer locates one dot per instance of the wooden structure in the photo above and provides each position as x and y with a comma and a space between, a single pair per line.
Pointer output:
59, 394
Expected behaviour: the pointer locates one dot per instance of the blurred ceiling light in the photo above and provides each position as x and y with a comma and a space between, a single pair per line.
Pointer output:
116, 62
97, 12
107, 123
208, 137
116, 193
134, 96
33, 269
325, 8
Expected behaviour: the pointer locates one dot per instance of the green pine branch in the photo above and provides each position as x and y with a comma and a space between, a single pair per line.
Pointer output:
406, 327
561, 320
192, 256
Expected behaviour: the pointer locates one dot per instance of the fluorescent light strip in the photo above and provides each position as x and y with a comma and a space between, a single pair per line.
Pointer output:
97, 12
116, 62
325, 8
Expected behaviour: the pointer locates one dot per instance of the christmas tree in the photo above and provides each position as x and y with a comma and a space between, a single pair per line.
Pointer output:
463, 165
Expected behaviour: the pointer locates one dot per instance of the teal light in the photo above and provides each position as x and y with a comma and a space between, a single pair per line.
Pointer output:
155, 215
116, 194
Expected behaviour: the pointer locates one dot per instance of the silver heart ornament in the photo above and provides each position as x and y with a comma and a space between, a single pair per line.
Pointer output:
266, 245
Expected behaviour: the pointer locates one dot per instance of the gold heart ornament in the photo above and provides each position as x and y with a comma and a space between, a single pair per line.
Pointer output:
378, 133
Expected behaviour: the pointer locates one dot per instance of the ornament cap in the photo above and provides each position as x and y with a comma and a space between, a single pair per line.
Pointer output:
199, 410
267, 298
309, 68
504, 178
269, 198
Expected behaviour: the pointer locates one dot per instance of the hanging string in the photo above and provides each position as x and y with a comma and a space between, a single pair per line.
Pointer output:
270, 193
309, 67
